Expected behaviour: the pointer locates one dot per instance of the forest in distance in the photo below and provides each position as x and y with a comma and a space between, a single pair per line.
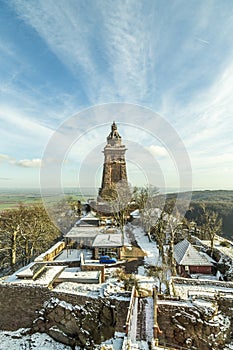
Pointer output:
220, 201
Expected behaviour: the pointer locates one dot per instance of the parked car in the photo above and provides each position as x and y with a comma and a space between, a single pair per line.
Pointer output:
105, 259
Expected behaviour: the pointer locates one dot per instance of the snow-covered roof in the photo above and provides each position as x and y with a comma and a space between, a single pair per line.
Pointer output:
90, 216
46, 278
75, 275
208, 257
87, 231
108, 240
186, 254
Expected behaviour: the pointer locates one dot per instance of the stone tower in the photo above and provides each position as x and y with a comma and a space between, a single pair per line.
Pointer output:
114, 169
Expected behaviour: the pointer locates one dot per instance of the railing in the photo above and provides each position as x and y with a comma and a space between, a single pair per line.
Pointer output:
155, 344
130, 311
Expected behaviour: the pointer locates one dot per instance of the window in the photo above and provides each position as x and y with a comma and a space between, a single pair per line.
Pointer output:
112, 252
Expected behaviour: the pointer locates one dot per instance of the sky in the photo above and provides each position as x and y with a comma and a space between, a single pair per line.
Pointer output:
65, 58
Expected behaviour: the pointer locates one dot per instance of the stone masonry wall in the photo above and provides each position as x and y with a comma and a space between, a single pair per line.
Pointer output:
203, 326
19, 305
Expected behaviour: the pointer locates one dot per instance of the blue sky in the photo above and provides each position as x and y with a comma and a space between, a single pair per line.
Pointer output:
59, 57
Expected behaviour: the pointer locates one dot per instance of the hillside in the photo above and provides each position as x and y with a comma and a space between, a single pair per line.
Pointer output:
220, 201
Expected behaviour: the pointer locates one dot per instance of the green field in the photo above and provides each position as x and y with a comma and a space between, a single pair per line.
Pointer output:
11, 198
12, 201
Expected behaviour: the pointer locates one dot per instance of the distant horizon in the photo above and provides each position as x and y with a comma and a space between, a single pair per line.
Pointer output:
72, 188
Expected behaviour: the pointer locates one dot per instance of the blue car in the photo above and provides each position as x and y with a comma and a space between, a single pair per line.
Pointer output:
105, 259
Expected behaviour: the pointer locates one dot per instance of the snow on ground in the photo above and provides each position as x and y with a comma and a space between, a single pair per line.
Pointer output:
92, 290
143, 345
17, 341
111, 288
114, 343
206, 277
199, 303
133, 323
78, 276
149, 310
209, 290
150, 248
45, 279
146, 282
219, 244
174, 303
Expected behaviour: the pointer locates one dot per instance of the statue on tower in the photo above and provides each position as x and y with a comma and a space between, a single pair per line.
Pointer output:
114, 134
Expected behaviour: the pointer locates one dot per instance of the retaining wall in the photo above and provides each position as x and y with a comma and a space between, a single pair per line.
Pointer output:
19, 305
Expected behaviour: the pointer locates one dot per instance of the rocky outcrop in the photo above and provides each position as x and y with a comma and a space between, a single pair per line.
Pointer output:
84, 326
19, 305
200, 325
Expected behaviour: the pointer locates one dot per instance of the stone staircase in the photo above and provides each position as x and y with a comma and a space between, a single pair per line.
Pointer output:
145, 319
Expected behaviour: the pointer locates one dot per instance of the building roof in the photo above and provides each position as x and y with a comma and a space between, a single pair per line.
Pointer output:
104, 240
91, 216
186, 254
86, 231
89, 219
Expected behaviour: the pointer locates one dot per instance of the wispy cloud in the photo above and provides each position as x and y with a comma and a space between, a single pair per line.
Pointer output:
203, 41
21, 121
4, 157
64, 29
124, 62
28, 163
211, 114
141, 52
205, 125
157, 151
129, 43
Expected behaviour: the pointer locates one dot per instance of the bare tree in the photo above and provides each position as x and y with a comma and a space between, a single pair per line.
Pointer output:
25, 232
211, 227
9, 236
120, 206
159, 234
149, 203
161, 274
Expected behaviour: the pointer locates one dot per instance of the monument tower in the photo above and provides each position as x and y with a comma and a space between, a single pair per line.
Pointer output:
114, 169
